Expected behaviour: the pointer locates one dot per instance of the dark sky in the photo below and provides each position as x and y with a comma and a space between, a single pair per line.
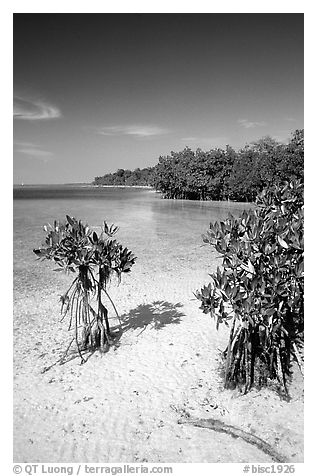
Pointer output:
95, 92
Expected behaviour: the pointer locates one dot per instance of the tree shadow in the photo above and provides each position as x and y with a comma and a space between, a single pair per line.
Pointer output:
158, 314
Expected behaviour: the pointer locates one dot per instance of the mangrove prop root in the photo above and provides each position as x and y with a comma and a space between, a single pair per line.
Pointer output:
83, 360
114, 307
221, 427
298, 359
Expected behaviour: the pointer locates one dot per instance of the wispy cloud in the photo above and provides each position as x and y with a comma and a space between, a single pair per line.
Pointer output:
24, 144
250, 124
33, 109
136, 130
33, 150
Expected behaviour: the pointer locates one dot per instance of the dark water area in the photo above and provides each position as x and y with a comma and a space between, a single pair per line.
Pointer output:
164, 234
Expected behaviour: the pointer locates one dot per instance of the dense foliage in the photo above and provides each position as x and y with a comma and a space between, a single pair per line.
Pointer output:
135, 177
226, 174
94, 258
219, 174
194, 175
259, 289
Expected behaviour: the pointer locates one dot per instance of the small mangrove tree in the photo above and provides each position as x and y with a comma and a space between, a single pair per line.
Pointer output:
94, 259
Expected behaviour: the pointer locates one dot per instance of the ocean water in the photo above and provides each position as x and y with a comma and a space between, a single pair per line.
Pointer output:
165, 235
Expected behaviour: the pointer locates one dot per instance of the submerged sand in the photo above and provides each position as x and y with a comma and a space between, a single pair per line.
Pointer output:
125, 405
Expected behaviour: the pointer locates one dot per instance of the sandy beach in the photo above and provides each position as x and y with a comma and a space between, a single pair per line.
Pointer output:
126, 405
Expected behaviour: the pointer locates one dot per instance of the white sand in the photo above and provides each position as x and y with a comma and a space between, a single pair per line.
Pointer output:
124, 406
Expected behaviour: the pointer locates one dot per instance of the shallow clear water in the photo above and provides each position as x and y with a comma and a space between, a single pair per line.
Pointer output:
164, 234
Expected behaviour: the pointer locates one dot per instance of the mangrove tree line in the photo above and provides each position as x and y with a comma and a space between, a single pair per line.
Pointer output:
219, 174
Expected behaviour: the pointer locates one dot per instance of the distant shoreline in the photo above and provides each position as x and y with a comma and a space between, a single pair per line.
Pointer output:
86, 185
123, 186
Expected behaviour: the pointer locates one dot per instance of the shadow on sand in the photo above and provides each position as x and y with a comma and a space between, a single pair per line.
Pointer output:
157, 315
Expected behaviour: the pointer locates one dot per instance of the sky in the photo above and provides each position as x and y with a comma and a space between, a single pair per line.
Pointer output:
98, 92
